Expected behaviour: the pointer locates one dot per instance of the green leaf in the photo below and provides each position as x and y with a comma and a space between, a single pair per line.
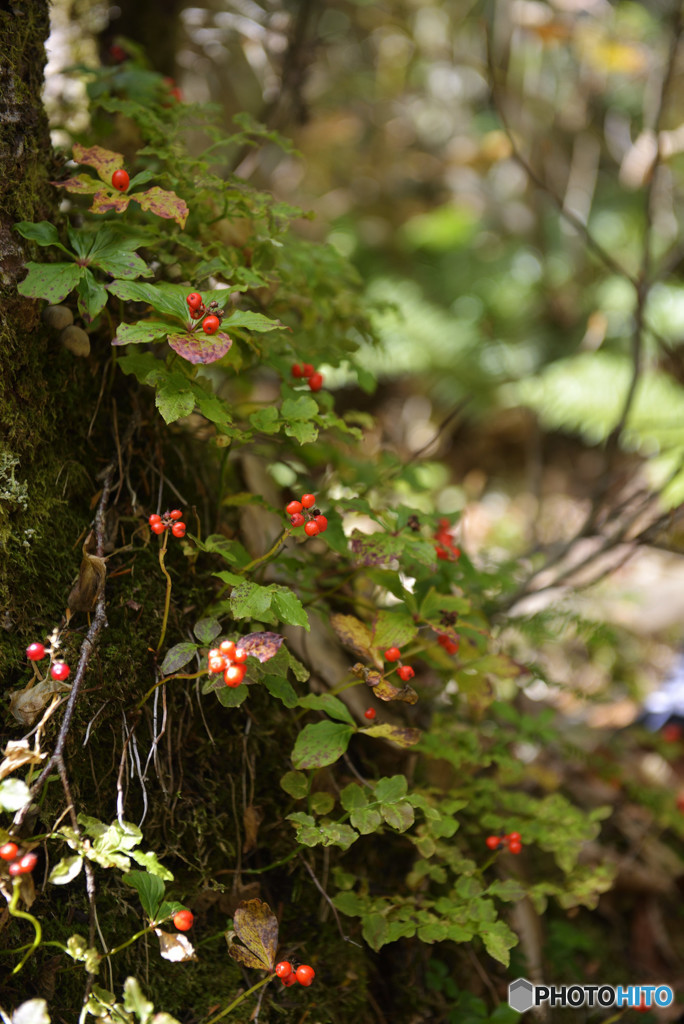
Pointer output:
92, 296
332, 706
177, 657
253, 322
301, 408
399, 815
148, 859
141, 332
403, 735
42, 232
296, 784
353, 797
51, 281
280, 688
394, 628
174, 404
374, 931
321, 744
303, 432
232, 696
150, 889
66, 870
322, 803
499, 940
289, 608
250, 601
206, 630
391, 789
265, 420
365, 819
135, 1001
257, 926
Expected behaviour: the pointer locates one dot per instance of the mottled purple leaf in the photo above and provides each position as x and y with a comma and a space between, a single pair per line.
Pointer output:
51, 281
376, 549
263, 646
105, 202
354, 634
163, 204
82, 184
198, 347
105, 161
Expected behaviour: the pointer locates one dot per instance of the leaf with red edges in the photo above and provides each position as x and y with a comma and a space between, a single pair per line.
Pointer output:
163, 204
199, 347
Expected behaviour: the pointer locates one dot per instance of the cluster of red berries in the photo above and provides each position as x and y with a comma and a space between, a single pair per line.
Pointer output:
449, 645
23, 865
213, 314
445, 547
369, 713
58, 670
512, 841
183, 920
405, 672
120, 180
170, 519
288, 975
306, 370
672, 733
230, 660
304, 513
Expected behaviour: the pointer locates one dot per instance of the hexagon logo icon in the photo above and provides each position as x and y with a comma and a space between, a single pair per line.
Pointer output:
521, 995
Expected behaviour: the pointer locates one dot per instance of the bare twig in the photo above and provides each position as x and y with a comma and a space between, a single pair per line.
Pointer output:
323, 893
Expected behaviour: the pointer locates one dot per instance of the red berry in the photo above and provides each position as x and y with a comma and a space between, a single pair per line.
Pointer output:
297, 370
183, 920
197, 313
451, 647
305, 974
211, 324
23, 866
311, 529
283, 969
680, 802
392, 654
178, 529
322, 523
672, 732
34, 652
234, 675
240, 656
157, 527
308, 500
493, 842
120, 180
292, 507
307, 369
515, 846
290, 980
297, 519
154, 518
175, 514
117, 53
513, 837
194, 300
60, 670
441, 553
369, 713
227, 647
405, 672
217, 665
316, 381
9, 851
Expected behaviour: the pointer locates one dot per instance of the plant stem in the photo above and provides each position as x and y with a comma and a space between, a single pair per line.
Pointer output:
167, 679
269, 554
15, 912
236, 1002
167, 600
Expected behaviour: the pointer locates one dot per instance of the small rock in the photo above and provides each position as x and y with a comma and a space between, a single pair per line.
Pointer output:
76, 340
57, 317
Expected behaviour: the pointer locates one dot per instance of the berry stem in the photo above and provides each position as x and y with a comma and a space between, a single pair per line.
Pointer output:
167, 679
236, 1002
13, 908
167, 599
132, 939
273, 550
